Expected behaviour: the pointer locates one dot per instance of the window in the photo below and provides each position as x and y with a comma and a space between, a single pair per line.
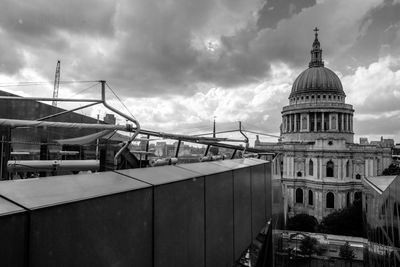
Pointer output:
333, 123
299, 195
311, 168
347, 168
348, 199
329, 169
326, 121
304, 123
357, 195
312, 122
358, 176
310, 198
299, 174
330, 200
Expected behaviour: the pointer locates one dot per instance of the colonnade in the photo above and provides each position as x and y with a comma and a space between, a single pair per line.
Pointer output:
317, 122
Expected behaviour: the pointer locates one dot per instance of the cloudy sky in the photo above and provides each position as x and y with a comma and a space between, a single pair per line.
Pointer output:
178, 63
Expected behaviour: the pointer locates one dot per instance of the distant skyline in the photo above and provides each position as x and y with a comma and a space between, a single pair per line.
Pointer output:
178, 63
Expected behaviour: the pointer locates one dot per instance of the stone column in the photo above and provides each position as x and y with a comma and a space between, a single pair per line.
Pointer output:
295, 122
321, 171
342, 122
371, 167
351, 169
322, 121
308, 122
315, 121
285, 124
351, 123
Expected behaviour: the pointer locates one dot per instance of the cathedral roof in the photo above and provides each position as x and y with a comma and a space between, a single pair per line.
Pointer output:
317, 78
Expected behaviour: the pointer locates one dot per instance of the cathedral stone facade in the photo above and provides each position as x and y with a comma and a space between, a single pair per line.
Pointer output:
320, 165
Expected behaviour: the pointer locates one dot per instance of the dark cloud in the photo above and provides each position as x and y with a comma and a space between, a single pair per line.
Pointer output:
11, 58
274, 11
377, 31
40, 18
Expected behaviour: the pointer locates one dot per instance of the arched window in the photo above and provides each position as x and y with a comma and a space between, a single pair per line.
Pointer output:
311, 167
330, 200
299, 195
329, 169
310, 198
358, 176
299, 174
348, 168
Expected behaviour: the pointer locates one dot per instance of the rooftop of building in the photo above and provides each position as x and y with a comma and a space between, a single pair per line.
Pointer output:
380, 183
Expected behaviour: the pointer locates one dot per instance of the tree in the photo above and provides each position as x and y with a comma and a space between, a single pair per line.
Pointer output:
347, 221
393, 169
214, 150
308, 246
302, 222
347, 253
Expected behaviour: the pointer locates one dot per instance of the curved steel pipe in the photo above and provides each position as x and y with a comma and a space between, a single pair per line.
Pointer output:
137, 130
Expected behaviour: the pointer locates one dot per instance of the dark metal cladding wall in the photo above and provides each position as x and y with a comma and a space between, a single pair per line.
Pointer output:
219, 219
179, 223
13, 236
242, 210
197, 215
114, 230
258, 192
268, 189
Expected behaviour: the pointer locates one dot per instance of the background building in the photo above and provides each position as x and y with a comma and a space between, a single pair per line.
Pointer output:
381, 212
321, 166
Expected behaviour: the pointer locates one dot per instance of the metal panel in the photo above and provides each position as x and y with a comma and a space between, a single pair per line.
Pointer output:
204, 168
43, 192
258, 191
268, 189
179, 223
249, 161
242, 210
114, 230
13, 225
219, 219
230, 164
160, 175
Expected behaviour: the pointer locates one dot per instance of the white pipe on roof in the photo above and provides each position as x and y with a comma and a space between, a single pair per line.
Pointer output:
50, 165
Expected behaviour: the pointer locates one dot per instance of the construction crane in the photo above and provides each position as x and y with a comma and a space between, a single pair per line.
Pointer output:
56, 83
